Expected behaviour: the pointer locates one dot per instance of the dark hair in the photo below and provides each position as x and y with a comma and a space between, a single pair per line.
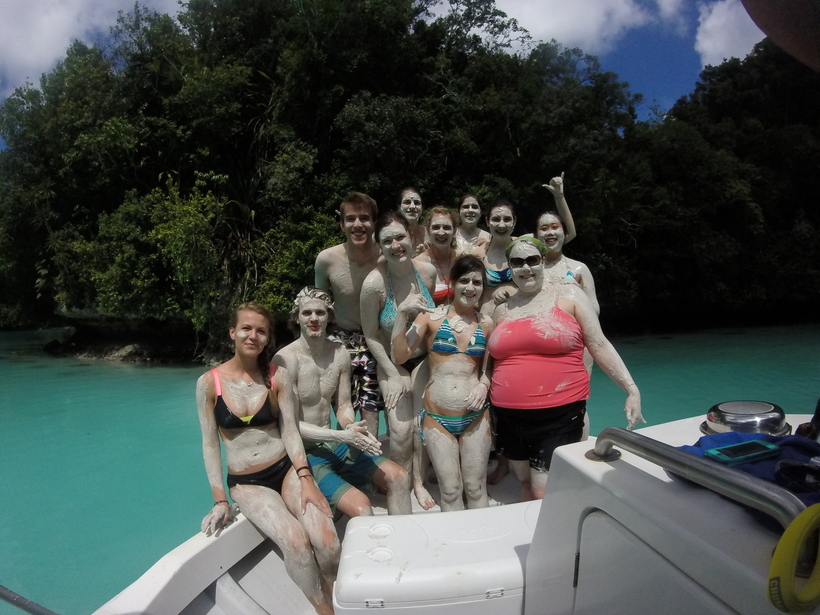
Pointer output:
264, 358
408, 189
388, 218
359, 199
549, 213
438, 210
501, 202
464, 197
466, 264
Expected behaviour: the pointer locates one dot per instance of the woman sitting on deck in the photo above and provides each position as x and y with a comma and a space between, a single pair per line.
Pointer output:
243, 404
455, 422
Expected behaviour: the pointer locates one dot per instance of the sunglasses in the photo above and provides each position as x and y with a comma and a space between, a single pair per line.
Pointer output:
530, 261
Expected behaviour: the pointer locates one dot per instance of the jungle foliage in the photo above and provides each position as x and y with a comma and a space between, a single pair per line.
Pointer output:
190, 163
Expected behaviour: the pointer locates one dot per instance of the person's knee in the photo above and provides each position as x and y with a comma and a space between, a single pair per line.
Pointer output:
354, 503
396, 477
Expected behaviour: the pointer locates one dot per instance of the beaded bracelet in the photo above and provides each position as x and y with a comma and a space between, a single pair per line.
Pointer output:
220, 502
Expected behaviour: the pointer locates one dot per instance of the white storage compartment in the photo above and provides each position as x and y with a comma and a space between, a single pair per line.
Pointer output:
468, 561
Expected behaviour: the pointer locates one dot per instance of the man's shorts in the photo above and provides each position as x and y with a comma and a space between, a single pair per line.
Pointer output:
534, 434
337, 467
364, 385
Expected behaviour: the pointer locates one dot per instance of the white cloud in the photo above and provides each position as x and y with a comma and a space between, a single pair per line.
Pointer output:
596, 26
725, 30
34, 34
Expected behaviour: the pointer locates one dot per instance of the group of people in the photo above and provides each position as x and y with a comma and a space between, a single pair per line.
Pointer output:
458, 335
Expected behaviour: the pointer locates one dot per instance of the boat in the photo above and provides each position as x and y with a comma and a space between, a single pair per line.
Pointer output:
628, 524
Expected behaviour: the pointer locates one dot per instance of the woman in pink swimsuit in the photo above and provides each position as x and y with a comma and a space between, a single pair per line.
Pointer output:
539, 382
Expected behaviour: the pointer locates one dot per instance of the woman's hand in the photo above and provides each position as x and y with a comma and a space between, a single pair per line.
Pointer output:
413, 304
501, 295
312, 495
633, 410
556, 186
393, 389
219, 517
476, 398
362, 439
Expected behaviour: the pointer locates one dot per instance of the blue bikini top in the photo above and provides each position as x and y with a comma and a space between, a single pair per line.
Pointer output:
445, 341
387, 316
497, 278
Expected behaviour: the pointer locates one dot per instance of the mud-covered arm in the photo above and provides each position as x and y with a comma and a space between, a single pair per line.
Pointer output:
477, 397
405, 341
220, 514
372, 299
605, 354
285, 398
321, 270
588, 284
556, 187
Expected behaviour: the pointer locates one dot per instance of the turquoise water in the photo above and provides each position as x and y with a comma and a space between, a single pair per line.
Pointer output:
101, 470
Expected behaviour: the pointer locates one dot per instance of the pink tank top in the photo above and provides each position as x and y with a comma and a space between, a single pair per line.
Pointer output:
538, 365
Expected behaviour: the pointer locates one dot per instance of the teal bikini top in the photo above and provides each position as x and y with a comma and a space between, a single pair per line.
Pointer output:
388, 314
445, 341
497, 278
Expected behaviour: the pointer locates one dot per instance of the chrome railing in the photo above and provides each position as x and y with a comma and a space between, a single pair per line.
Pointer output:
734, 484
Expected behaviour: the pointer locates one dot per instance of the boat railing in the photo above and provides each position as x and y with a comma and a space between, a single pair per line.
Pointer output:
734, 484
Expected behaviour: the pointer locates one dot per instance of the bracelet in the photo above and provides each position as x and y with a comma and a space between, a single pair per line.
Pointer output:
220, 502
302, 468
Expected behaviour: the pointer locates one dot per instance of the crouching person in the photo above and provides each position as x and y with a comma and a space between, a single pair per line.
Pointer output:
346, 462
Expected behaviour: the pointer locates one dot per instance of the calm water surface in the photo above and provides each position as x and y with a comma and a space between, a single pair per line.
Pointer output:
101, 470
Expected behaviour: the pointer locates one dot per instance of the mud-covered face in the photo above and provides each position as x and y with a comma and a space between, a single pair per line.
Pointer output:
395, 242
313, 318
527, 267
251, 333
551, 232
470, 211
410, 206
442, 230
501, 221
468, 288
357, 224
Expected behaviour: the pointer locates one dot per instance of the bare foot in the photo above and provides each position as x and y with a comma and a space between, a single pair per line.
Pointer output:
502, 468
423, 496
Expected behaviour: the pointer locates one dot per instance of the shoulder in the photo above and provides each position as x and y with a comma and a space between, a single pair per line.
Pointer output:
486, 321
330, 255
425, 268
206, 380
374, 282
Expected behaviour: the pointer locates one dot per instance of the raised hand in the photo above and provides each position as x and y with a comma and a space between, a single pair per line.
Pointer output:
413, 304
556, 186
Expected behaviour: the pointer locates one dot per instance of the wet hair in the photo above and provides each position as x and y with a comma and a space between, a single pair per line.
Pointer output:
406, 190
388, 218
467, 196
534, 242
549, 213
310, 292
264, 358
466, 264
438, 210
359, 199
501, 202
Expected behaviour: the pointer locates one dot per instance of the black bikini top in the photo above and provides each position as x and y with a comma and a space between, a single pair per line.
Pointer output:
228, 420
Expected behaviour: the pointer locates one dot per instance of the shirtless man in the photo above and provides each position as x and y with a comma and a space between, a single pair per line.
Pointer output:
340, 271
343, 461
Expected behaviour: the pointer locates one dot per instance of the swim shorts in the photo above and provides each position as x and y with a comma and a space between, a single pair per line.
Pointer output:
271, 477
364, 382
534, 434
338, 467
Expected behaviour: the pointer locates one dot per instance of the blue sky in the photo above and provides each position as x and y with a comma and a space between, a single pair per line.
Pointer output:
658, 46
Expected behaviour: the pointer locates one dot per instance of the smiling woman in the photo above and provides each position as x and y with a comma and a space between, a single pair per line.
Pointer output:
386, 287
